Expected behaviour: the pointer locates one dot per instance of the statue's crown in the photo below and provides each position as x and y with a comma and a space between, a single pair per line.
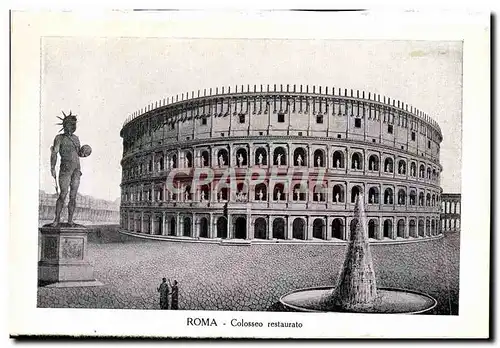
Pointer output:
66, 119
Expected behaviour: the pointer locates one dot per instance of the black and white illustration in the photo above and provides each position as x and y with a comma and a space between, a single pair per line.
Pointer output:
250, 189
250, 175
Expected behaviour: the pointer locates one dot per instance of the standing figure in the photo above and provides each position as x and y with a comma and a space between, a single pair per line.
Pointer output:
171, 163
338, 163
260, 159
67, 145
318, 161
221, 161
261, 195
240, 160
278, 159
299, 160
175, 295
164, 291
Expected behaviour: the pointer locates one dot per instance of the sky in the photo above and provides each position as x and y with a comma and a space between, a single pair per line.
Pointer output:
104, 80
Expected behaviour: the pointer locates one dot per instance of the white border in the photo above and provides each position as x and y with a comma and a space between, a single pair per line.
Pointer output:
27, 28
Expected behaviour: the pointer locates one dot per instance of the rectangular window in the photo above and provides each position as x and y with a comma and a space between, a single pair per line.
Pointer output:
204, 121
300, 134
428, 144
281, 118
242, 118
357, 122
319, 119
413, 136
389, 128
261, 133
339, 136
222, 134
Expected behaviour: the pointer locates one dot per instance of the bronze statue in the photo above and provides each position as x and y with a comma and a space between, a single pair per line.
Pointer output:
68, 146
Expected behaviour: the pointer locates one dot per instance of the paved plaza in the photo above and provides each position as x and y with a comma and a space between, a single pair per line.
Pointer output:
247, 278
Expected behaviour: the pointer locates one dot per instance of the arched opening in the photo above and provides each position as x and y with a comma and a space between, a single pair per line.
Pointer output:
433, 200
428, 173
222, 227
204, 193
421, 228
223, 194
319, 158
299, 157
261, 192
337, 228
160, 163
319, 193
373, 228
356, 161
298, 229
260, 228
188, 159
373, 195
279, 228
299, 192
413, 229
388, 196
401, 167
401, 197
240, 228
147, 225
173, 161
338, 159
187, 227
222, 158
205, 159
434, 174
422, 171
279, 156
318, 226
401, 228
433, 227
387, 228
421, 199
187, 194
356, 190
241, 192
428, 199
413, 197
241, 157
413, 169
172, 231
427, 227
204, 227
278, 192
261, 156
338, 194
388, 165
373, 163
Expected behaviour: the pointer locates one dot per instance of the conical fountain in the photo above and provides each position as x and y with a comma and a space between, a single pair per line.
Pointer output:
356, 290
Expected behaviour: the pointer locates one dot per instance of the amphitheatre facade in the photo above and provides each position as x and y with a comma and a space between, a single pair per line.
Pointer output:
280, 163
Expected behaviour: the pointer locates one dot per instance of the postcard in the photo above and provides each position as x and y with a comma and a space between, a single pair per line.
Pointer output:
266, 174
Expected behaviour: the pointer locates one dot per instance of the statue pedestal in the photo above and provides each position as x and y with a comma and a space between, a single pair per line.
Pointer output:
63, 261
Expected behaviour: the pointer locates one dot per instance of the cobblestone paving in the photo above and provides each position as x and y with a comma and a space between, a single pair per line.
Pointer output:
247, 278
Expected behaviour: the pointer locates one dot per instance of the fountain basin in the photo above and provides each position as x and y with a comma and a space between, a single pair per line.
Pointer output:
389, 301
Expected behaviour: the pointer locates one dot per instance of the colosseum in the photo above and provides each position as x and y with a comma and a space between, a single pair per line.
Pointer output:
280, 164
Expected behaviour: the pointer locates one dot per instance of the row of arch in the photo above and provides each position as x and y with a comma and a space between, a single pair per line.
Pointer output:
300, 159
299, 193
417, 227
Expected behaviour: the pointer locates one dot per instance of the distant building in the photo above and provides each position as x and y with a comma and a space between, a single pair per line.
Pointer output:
88, 210
451, 212
346, 142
